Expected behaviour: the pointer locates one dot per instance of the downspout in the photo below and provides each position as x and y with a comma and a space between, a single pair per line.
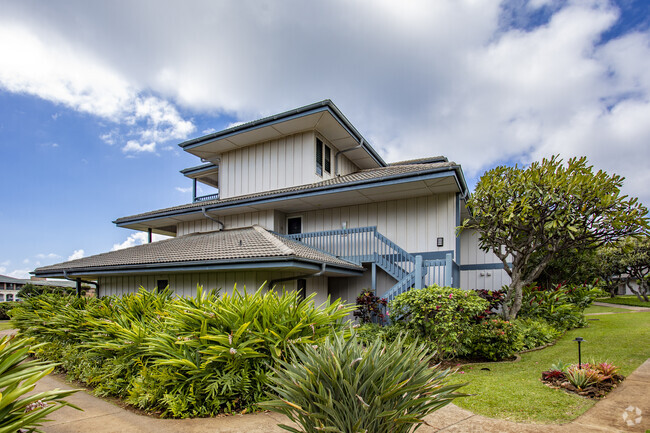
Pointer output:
205, 214
336, 156
79, 280
317, 274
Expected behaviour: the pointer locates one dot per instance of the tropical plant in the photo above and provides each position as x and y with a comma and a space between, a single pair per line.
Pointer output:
554, 306
370, 308
607, 369
560, 366
527, 216
535, 332
441, 316
338, 386
628, 263
583, 376
553, 375
495, 299
19, 409
182, 357
5, 307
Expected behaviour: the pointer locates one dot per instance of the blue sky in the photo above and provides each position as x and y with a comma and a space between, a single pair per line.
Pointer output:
95, 96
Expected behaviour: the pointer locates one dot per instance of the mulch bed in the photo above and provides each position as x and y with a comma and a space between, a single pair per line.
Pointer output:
596, 391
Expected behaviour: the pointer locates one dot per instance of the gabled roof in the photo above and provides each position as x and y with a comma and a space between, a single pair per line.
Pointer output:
249, 246
362, 178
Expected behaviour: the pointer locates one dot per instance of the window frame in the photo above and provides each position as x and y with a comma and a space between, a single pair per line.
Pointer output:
319, 163
327, 159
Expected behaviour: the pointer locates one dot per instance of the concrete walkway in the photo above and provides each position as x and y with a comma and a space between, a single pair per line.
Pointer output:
623, 307
101, 416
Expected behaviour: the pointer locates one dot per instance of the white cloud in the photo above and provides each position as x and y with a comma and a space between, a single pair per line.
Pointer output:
49, 256
416, 78
208, 131
77, 254
52, 68
134, 146
183, 190
138, 238
19, 273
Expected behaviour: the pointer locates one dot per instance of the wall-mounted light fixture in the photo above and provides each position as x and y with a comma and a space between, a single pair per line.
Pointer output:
441, 242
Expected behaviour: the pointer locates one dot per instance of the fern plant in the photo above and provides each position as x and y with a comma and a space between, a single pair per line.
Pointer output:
340, 386
18, 376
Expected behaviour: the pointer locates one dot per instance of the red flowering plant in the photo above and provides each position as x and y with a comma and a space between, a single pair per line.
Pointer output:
495, 300
371, 308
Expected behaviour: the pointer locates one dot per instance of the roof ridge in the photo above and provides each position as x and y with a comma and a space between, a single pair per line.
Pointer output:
275, 241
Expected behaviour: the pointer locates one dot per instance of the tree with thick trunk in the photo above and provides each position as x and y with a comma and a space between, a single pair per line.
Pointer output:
528, 216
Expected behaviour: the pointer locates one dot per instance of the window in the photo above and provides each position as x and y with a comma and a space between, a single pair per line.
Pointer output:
302, 289
294, 225
319, 157
328, 157
162, 284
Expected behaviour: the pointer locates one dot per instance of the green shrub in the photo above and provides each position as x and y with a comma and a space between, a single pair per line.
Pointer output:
369, 332
494, 339
30, 290
556, 306
535, 332
442, 316
341, 387
18, 377
183, 357
5, 307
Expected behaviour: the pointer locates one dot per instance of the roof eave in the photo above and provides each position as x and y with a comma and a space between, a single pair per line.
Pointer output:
196, 266
455, 169
297, 112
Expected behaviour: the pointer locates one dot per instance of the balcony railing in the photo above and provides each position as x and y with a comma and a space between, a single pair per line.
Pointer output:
366, 244
206, 197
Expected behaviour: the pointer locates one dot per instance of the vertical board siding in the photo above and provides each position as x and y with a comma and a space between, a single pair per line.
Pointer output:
470, 253
274, 164
284, 162
265, 219
414, 224
489, 279
185, 284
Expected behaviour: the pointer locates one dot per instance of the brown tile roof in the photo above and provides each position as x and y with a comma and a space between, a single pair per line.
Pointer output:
241, 244
373, 174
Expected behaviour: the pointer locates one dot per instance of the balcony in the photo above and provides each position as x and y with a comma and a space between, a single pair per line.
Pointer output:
196, 199
367, 245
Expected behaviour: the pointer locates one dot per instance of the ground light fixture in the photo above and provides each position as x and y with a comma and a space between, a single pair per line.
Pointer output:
579, 340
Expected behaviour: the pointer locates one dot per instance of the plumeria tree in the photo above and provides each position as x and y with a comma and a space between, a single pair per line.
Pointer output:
526, 216
626, 262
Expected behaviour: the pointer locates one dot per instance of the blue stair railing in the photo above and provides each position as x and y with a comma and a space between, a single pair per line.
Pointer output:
366, 244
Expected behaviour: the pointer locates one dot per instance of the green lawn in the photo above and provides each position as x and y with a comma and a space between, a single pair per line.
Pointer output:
4, 324
625, 300
598, 309
514, 391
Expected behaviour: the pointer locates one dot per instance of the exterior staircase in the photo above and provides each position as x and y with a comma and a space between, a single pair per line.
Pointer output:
367, 245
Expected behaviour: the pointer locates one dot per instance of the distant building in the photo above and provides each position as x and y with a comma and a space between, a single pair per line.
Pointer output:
9, 287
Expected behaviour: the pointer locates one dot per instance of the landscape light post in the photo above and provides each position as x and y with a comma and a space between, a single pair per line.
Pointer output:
579, 340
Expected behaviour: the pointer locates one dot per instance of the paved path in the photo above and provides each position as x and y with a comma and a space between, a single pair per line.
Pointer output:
624, 307
101, 416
